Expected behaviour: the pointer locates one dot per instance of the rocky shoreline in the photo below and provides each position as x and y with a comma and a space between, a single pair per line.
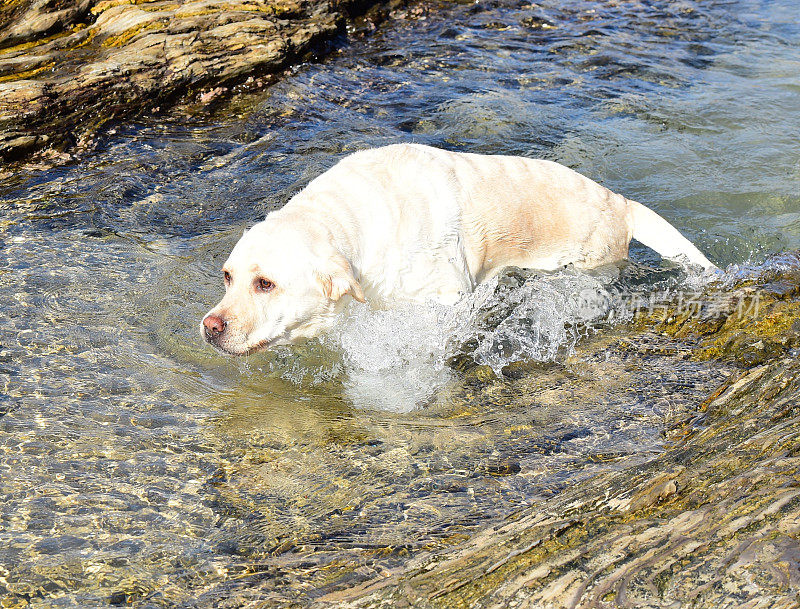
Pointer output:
711, 522
70, 67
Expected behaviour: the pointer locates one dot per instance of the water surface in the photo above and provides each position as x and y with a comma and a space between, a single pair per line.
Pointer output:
138, 466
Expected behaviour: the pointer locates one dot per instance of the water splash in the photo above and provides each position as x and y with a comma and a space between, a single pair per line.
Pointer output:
394, 359
397, 359
538, 317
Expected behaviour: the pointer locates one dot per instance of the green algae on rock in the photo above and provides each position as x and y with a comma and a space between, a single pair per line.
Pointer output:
750, 321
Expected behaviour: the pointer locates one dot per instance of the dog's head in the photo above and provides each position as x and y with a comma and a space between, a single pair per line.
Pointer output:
283, 282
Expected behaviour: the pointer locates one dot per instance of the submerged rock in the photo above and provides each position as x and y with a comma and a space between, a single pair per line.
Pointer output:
68, 67
713, 521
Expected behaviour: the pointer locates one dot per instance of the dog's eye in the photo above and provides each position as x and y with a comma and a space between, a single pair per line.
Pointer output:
226, 276
264, 285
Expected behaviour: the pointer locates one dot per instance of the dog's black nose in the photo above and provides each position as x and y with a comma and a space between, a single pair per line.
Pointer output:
214, 326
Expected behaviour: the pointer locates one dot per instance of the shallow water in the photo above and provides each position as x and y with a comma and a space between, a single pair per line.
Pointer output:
136, 465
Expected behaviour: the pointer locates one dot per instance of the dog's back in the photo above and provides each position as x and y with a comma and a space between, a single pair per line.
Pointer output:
506, 210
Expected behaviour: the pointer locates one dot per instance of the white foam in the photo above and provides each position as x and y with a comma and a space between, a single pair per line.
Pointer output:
548, 315
396, 359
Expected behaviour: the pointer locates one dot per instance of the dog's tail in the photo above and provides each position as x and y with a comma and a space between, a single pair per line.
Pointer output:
656, 233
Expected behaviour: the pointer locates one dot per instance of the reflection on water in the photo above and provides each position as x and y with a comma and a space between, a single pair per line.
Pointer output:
138, 466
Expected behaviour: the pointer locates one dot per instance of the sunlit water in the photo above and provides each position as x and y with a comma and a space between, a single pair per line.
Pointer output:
138, 466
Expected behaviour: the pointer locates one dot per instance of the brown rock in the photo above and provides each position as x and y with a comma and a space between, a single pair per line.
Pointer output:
67, 67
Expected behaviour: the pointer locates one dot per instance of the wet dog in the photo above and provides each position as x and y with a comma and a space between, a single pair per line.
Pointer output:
411, 223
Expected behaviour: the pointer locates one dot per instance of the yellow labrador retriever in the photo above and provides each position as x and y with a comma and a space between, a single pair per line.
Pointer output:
411, 222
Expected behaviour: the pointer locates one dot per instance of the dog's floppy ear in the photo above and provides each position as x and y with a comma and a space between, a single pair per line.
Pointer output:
336, 279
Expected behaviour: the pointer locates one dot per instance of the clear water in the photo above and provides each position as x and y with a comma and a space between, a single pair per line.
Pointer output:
138, 466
